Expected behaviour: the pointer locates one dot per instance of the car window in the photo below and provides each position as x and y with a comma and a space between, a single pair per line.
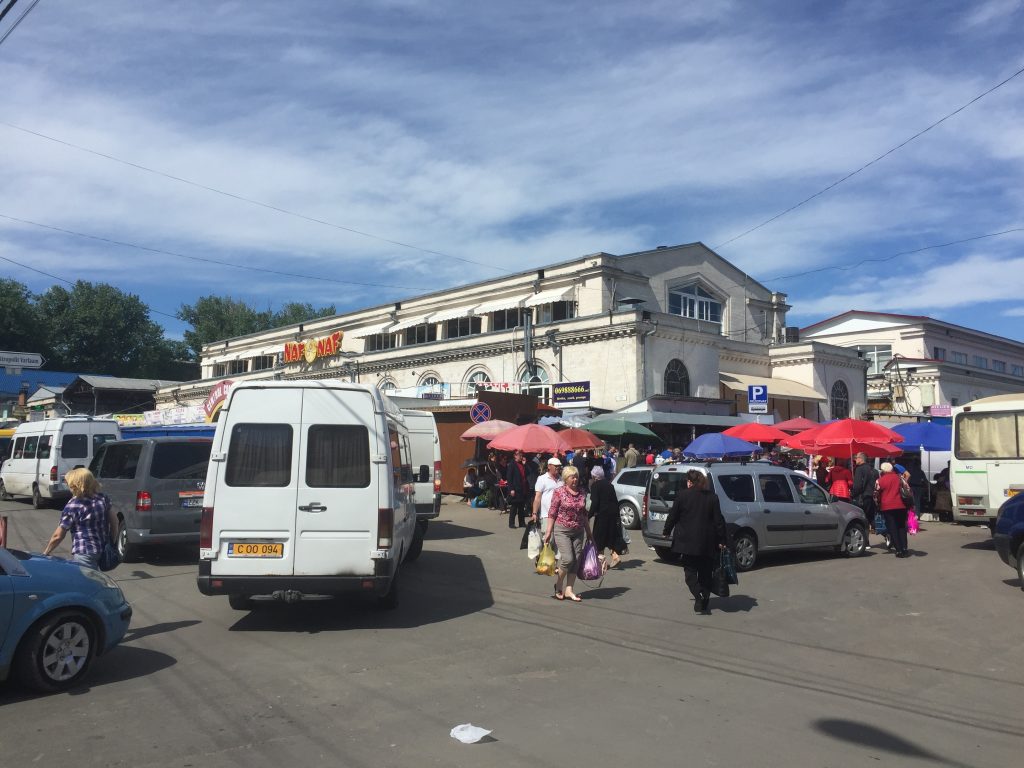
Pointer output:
74, 446
665, 486
638, 479
807, 491
44, 446
338, 456
98, 440
120, 461
180, 461
260, 456
775, 488
737, 487
19, 448
5, 446
30, 447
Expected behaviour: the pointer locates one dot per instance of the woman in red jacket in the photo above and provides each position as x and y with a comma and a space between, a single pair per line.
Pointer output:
894, 509
840, 480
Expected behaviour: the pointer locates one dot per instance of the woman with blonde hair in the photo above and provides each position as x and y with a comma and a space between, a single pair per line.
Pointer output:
568, 524
89, 517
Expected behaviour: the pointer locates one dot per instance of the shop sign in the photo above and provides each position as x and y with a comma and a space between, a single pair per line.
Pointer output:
216, 399
310, 349
130, 419
575, 393
943, 409
186, 414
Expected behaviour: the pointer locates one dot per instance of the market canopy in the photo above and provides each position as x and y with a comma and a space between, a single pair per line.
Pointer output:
717, 445
756, 433
487, 430
926, 436
799, 424
531, 438
618, 428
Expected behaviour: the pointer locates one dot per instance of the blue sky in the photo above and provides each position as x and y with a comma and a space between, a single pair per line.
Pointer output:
512, 135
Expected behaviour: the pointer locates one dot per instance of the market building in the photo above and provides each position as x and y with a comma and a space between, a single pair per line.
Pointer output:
675, 334
918, 366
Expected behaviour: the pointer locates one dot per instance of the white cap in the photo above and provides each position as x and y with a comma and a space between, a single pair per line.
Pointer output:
554, 460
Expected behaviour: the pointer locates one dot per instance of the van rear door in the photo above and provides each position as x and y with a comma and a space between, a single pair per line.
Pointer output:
343, 469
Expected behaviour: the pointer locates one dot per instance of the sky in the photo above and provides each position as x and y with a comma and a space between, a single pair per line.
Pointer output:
391, 148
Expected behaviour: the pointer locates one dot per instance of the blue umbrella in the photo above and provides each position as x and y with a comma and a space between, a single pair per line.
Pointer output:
926, 435
715, 445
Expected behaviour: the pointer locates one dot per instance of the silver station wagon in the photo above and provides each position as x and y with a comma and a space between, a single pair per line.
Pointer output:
766, 508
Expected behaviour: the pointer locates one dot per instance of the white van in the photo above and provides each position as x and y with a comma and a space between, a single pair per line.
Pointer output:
426, 468
309, 492
42, 452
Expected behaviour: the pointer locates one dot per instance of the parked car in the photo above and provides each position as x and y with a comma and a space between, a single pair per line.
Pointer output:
1009, 534
630, 486
425, 447
766, 508
156, 487
58, 617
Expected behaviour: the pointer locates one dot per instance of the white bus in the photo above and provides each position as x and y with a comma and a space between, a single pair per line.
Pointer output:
987, 466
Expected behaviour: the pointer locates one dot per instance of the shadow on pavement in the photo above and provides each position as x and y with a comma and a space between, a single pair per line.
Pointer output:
439, 530
733, 604
157, 629
120, 664
439, 586
625, 565
870, 737
987, 544
1013, 583
600, 593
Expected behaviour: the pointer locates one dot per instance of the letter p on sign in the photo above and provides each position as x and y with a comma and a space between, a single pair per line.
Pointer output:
757, 398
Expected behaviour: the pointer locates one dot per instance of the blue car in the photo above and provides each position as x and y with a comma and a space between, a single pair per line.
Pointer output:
55, 618
1009, 534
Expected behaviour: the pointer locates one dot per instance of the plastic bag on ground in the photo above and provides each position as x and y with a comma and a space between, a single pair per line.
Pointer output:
468, 733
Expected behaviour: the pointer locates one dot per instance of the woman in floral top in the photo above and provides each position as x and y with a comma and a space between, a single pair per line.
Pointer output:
568, 523
88, 516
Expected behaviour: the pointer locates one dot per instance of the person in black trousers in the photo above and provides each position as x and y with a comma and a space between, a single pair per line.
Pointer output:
698, 534
863, 490
518, 477
607, 525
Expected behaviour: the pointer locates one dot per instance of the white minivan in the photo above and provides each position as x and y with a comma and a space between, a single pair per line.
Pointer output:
309, 492
426, 468
42, 452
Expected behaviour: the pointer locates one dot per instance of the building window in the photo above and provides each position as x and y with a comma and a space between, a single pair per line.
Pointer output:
878, 356
385, 384
979, 362
264, 362
694, 302
938, 353
218, 370
839, 400
1017, 370
999, 366
476, 381
461, 326
677, 380
535, 382
960, 358
555, 311
379, 341
429, 381
954, 401
237, 366
507, 319
420, 334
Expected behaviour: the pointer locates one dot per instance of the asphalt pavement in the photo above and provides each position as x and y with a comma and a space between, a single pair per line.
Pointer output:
816, 660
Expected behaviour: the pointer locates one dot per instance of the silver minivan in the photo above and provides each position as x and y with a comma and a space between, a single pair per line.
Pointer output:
766, 508
630, 486
155, 485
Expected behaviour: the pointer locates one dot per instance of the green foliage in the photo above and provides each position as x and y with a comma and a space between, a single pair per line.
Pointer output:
20, 329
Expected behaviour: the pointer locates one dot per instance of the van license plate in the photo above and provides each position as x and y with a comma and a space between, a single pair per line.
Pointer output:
195, 501
659, 515
244, 549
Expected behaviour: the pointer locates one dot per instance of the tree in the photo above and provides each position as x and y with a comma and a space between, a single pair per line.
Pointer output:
97, 328
293, 312
20, 326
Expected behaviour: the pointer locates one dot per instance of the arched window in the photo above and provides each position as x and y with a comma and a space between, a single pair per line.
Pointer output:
386, 384
429, 381
477, 380
677, 380
839, 400
536, 383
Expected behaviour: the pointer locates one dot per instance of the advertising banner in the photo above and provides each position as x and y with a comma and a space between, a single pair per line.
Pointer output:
575, 394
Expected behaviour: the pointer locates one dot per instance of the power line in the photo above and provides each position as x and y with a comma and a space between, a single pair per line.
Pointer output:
869, 164
162, 252
249, 200
7, 10
18, 20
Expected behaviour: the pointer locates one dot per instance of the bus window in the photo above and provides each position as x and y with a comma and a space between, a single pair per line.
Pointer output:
988, 436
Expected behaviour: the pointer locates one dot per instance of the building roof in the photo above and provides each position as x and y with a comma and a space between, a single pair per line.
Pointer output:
908, 320
45, 393
116, 382
11, 384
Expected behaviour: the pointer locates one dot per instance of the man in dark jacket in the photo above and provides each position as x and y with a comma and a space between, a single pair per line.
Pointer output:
698, 534
863, 492
520, 479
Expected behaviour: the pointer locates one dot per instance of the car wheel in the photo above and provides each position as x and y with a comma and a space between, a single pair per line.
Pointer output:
666, 553
4, 495
854, 540
37, 499
1020, 564
417, 542
744, 548
240, 602
389, 601
130, 553
629, 516
56, 652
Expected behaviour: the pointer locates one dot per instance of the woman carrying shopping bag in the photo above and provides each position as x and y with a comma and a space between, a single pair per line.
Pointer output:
698, 534
569, 525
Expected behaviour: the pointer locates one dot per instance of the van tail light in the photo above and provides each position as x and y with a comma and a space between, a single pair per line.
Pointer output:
385, 528
53, 474
143, 501
643, 507
206, 528
437, 477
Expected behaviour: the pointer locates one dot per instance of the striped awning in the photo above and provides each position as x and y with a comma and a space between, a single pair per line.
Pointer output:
409, 322
500, 305
547, 297
370, 330
452, 314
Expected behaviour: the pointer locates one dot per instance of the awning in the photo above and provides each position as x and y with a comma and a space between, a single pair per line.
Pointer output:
370, 330
409, 322
780, 388
500, 305
546, 297
452, 314
664, 417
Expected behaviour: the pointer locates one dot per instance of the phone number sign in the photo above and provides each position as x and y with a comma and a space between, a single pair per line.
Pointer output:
576, 393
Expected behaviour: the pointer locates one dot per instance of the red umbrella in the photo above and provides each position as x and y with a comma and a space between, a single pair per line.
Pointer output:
845, 451
580, 438
799, 424
488, 430
846, 431
756, 433
531, 438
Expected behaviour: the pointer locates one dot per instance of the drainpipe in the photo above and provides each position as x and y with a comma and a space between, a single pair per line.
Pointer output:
643, 359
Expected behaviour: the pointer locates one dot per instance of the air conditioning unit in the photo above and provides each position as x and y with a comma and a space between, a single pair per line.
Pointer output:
792, 334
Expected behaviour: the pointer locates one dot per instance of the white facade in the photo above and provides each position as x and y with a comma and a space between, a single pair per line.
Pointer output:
916, 362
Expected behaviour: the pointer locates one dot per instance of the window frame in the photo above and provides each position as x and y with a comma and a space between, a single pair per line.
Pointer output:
699, 302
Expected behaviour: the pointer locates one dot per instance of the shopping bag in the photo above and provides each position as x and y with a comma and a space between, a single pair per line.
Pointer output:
533, 542
590, 567
720, 581
912, 524
526, 536
729, 566
546, 561
880, 524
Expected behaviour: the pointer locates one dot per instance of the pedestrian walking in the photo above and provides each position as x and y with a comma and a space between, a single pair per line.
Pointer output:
518, 479
88, 516
863, 491
632, 456
569, 526
894, 508
604, 508
698, 533
543, 490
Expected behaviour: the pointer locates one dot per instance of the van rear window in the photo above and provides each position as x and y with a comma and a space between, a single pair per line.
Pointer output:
338, 456
118, 461
260, 456
74, 447
180, 461
737, 487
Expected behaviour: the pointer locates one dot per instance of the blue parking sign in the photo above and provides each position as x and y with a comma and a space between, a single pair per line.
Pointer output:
757, 398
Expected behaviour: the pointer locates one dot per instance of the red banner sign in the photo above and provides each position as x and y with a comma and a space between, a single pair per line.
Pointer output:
310, 349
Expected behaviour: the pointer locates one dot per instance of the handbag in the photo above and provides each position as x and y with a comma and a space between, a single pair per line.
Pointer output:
720, 580
729, 566
533, 542
589, 568
526, 536
906, 495
109, 558
546, 561
912, 525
